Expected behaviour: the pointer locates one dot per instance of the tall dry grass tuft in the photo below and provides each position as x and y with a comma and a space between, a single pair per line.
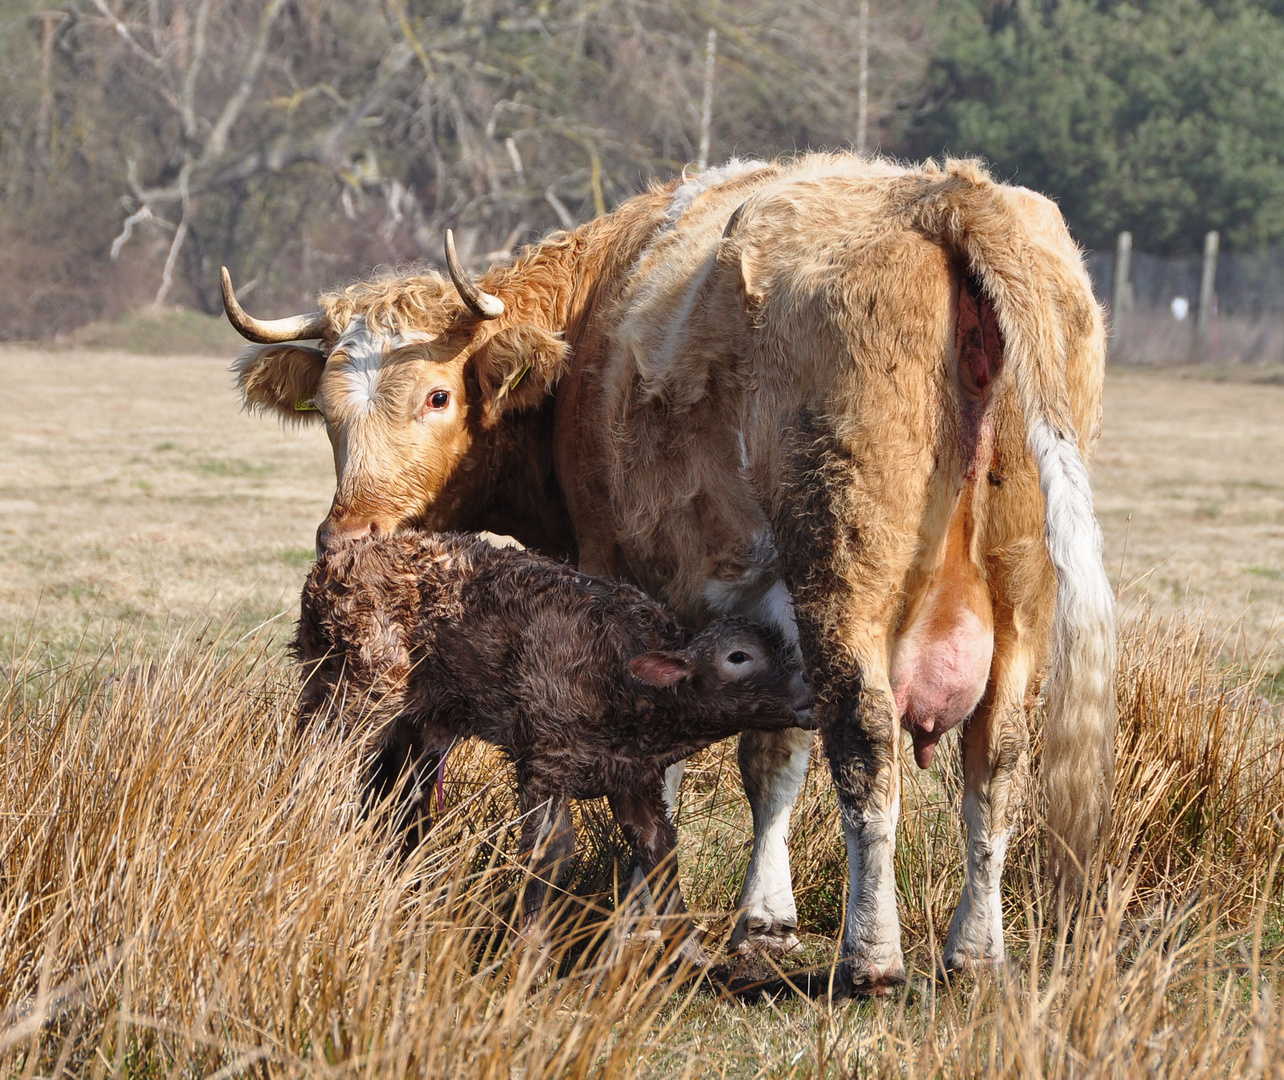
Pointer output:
188, 887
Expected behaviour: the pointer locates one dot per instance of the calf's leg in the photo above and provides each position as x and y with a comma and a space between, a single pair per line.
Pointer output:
402, 762
547, 841
649, 830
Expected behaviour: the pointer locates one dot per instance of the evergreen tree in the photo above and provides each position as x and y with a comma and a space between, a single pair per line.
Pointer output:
1165, 117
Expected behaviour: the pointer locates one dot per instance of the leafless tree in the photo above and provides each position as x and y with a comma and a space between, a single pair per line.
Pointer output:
306, 140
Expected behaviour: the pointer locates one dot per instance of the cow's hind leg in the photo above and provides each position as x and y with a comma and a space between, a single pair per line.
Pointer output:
994, 766
861, 734
847, 537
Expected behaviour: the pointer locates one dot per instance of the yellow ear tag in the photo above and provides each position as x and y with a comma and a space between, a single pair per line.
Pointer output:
518, 378
305, 405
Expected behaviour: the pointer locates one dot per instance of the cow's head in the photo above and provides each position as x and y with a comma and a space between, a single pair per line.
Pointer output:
410, 378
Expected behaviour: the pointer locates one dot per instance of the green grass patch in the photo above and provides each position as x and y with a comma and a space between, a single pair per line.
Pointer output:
298, 556
167, 333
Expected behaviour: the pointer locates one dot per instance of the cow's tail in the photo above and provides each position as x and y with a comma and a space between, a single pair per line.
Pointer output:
1018, 250
1079, 735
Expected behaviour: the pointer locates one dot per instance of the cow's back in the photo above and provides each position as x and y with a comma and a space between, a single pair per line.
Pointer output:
824, 311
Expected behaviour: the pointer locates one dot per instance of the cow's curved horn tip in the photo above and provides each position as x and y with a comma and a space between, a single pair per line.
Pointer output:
482, 304
268, 331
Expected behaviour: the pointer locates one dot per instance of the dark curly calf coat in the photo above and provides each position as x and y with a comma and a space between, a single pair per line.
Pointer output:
590, 686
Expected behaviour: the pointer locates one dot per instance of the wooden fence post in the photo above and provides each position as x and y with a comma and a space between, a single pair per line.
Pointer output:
1208, 289
1119, 295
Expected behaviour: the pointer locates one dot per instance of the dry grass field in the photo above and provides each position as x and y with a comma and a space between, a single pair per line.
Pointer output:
188, 889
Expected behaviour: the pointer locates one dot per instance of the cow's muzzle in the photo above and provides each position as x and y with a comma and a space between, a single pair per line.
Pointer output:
332, 535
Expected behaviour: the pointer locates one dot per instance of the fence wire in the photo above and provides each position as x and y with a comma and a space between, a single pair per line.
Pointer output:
1158, 323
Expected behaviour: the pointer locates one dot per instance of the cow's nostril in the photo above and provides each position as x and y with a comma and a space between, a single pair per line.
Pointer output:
333, 534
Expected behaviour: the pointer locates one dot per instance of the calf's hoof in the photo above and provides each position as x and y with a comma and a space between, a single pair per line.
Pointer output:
760, 933
534, 956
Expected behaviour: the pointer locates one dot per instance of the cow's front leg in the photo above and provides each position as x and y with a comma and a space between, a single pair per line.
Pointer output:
994, 764
861, 741
773, 766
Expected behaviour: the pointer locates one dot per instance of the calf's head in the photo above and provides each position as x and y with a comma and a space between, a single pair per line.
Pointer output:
735, 670
412, 378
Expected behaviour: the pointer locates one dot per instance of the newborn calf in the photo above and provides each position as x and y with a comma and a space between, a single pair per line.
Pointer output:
591, 687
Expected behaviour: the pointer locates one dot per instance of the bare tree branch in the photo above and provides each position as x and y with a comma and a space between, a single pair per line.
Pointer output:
217, 140
125, 35
180, 234
188, 98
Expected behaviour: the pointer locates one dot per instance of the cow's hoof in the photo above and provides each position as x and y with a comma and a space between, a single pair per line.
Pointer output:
959, 962
778, 937
864, 980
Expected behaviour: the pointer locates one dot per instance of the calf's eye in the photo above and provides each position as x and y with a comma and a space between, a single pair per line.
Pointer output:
739, 657
438, 399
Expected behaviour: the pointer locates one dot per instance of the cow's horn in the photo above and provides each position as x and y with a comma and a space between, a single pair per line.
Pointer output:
482, 304
269, 331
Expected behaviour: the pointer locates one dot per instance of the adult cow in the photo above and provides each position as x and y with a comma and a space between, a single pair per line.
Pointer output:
833, 387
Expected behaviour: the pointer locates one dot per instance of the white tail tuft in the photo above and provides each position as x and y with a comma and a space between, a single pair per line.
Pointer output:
1080, 694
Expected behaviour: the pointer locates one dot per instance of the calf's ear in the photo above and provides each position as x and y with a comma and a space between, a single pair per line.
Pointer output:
661, 668
518, 368
280, 378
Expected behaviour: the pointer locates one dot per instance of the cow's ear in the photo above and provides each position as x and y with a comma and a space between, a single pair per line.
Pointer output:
517, 369
280, 378
753, 289
661, 668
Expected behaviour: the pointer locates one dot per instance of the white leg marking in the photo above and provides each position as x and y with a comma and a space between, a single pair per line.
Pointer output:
767, 908
976, 930
871, 928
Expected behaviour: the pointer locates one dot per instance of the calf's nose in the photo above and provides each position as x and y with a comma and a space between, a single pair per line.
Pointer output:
333, 534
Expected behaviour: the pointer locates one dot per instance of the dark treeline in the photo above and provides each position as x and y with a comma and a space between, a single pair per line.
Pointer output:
144, 142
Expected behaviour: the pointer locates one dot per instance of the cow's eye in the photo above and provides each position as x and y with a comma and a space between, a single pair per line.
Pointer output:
739, 657
438, 399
